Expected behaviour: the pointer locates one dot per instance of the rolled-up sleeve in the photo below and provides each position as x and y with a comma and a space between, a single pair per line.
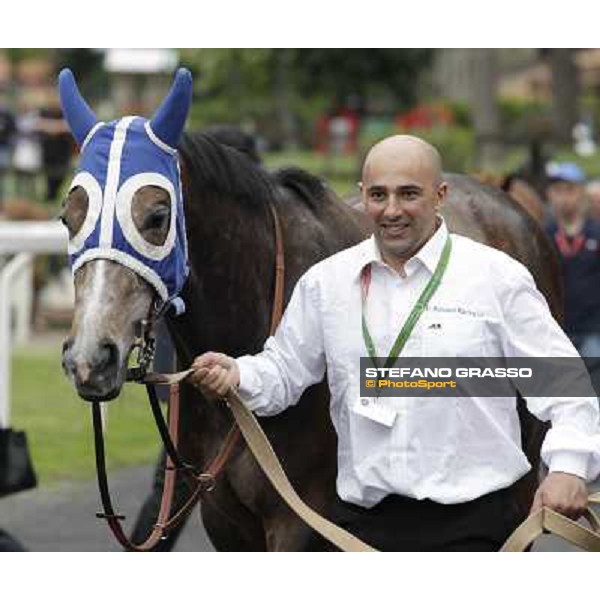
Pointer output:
572, 444
292, 359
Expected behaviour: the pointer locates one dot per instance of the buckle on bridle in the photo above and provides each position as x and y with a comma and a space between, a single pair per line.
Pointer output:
207, 481
145, 346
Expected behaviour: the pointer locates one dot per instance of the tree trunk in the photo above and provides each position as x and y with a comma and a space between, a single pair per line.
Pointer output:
486, 114
289, 135
565, 93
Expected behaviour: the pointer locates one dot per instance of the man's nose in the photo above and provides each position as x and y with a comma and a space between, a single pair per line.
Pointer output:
394, 206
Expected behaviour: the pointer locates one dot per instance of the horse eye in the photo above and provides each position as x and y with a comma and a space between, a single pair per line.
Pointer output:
157, 219
74, 211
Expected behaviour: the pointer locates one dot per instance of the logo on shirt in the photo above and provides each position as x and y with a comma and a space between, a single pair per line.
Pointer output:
458, 310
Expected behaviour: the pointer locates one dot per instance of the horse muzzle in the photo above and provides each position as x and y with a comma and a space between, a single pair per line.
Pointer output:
96, 372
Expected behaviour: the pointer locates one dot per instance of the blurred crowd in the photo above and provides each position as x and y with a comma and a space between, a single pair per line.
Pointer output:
567, 205
35, 149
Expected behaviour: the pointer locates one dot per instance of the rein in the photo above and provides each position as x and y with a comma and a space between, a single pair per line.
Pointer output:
199, 481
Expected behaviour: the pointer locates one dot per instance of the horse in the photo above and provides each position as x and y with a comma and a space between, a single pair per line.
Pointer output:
228, 295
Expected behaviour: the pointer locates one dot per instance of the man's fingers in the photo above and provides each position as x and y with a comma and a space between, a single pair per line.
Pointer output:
223, 383
204, 361
197, 377
214, 373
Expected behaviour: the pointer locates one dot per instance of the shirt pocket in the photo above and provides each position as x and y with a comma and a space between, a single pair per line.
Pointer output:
455, 337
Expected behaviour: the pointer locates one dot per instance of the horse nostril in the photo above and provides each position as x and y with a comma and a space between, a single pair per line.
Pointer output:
67, 360
106, 356
67, 344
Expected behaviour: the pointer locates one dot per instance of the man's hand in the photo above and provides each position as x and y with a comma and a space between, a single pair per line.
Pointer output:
214, 374
565, 493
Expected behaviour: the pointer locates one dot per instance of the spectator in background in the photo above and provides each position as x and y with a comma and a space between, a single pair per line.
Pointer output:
577, 240
27, 155
592, 190
7, 132
56, 143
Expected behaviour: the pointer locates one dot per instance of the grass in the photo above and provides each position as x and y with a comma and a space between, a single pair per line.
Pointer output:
340, 172
58, 422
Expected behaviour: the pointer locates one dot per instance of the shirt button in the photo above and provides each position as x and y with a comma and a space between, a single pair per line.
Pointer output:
364, 401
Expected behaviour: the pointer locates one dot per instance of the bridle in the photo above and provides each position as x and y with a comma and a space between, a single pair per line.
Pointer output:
199, 481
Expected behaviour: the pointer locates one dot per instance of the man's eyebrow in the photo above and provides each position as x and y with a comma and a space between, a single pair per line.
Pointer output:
410, 187
376, 188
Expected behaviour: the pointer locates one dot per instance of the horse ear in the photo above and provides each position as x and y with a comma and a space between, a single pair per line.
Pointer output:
78, 114
169, 119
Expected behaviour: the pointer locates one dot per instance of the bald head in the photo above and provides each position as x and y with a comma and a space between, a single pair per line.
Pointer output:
402, 190
410, 153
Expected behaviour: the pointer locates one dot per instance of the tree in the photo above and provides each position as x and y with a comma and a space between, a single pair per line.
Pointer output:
565, 92
281, 85
486, 114
363, 72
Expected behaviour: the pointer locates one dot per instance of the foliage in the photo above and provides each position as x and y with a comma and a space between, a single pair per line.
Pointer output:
266, 88
455, 143
232, 84
342, 72
87, 65
522, 118
58, 422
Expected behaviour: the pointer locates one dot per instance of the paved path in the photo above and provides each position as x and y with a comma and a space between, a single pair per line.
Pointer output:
62, 518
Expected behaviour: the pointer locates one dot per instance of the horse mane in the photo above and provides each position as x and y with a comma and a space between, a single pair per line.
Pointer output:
221, 170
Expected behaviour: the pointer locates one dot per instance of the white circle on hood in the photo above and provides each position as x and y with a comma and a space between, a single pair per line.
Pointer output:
94, 193
125, 217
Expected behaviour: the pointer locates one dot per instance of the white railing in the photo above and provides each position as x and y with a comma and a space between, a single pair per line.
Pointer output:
19, 241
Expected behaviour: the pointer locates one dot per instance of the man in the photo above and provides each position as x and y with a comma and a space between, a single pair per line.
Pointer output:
56, 144
577, 240
419, 473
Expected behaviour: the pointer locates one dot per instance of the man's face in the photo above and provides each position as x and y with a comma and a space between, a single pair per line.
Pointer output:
566, 198
402, 198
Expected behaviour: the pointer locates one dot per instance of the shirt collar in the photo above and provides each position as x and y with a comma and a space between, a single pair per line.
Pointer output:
428, 255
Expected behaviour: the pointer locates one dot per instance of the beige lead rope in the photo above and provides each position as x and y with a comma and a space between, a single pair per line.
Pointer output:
547, 520
544, 520
269, 463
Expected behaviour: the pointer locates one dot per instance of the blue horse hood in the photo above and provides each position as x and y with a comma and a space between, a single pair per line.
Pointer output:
117, 159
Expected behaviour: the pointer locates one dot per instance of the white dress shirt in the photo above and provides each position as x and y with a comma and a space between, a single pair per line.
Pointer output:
447, 449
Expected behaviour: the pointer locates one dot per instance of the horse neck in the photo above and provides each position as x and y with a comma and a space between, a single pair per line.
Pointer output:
230, 291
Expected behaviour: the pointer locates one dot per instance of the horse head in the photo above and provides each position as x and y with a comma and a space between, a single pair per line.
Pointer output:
127, 242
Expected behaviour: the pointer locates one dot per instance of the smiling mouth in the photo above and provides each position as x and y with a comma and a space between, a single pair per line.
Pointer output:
394, 229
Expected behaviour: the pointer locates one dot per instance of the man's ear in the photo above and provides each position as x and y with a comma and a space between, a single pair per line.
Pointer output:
442, 193
361, 187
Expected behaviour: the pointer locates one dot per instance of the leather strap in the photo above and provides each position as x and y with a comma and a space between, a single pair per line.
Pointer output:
278, 296
199, 482
269, 463
549, 521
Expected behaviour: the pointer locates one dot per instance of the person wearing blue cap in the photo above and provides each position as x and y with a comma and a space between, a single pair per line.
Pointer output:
576, 237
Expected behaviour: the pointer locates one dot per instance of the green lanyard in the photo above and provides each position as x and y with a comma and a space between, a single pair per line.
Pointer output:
416, 312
